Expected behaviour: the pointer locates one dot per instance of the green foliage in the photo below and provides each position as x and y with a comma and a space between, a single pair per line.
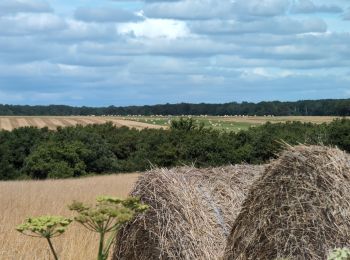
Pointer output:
46, 227
339, 133
339, 254
56, 160
76, 151
338, 107
107, 216
186, 124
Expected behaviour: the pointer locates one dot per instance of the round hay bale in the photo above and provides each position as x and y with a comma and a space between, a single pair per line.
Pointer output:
298, 209
191, 212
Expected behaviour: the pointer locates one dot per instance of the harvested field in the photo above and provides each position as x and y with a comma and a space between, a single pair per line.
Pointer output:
192, 211
280, 119
10, 123
298, 209
22, 199
233, 123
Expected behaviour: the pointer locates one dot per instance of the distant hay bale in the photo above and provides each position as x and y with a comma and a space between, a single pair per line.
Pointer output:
298, 209
191, 213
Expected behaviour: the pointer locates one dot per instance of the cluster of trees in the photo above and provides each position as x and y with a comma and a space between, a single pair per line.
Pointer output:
31, 153
336, 107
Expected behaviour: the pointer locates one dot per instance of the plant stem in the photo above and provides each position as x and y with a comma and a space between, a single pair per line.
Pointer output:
100, 249
52, 249
109, 243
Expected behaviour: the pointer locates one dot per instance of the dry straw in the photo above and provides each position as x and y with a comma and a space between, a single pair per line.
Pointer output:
192, 211
298, 209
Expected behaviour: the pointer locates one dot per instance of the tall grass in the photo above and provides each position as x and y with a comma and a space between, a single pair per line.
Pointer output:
22, 199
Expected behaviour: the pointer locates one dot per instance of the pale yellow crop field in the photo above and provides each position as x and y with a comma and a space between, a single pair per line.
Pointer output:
22, 199
52, 122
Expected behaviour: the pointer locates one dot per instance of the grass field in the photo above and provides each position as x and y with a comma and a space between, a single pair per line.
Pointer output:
22, 199
52, 122
231, 123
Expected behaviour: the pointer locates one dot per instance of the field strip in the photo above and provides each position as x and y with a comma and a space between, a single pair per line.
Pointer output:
30, 121
137, 124
14, 123
278, 119
97, 120
115, 123
57, 122
22, 122
48, 123
86, 121
6, 124
40, 123
69, 122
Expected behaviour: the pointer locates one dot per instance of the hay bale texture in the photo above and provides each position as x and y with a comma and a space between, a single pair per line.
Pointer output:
191, 212
298, 209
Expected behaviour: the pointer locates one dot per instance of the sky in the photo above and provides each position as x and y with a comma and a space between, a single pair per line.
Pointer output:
113, 52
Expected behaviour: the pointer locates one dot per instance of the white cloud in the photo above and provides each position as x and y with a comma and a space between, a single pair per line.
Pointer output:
207, 50
156, 28
24, 24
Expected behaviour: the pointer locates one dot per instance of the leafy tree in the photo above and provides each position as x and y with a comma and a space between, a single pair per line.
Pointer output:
56, 160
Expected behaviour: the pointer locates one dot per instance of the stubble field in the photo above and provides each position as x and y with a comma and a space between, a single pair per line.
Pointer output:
232, 123
226, 123
52, 122
22, 199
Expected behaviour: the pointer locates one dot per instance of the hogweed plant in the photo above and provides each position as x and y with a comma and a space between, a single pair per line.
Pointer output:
107, 216
46, 227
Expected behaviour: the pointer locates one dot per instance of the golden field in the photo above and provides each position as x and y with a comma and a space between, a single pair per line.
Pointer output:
140, 122
22, 199
52, 122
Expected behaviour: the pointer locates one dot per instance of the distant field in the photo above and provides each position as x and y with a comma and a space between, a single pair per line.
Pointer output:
228, 123
52, 122
232, 123
22, 199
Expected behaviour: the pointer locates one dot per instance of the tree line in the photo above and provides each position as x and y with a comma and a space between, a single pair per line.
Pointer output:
330, 107
32, 153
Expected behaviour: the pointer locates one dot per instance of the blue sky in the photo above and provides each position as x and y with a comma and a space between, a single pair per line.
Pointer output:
112, 52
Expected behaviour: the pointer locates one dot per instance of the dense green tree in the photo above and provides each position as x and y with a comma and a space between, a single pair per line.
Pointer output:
339, 134
96, 149
56, 160
336, 107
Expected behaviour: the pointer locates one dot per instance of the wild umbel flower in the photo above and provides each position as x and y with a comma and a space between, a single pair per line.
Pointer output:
46, 227
108, 215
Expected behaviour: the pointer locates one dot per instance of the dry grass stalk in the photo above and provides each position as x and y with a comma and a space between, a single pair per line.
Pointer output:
191, 212
298, 209
22, 199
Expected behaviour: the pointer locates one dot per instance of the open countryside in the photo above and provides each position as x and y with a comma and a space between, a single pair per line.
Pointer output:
232, 123
174, 130
52, 122
226, 123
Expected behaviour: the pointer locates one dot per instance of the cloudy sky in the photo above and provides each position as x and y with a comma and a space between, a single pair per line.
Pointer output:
105, 52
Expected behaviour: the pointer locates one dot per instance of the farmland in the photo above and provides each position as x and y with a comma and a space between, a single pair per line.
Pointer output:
52, 122
232, 123
227, 123
22, 199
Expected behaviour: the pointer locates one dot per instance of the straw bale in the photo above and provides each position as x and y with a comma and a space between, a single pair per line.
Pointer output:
298, 209
192, 211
